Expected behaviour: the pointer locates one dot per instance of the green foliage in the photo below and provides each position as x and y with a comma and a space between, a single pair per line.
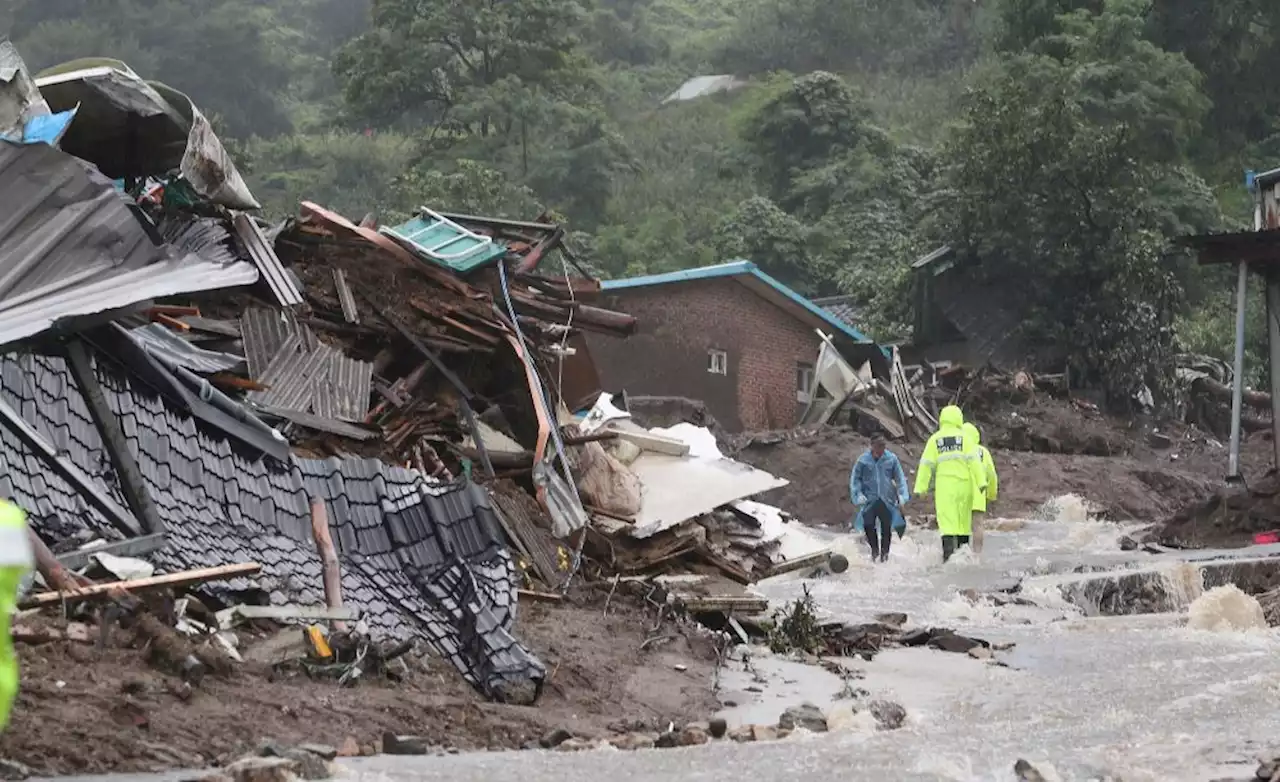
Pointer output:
1051, 187
796, 628
462, 64
349, 172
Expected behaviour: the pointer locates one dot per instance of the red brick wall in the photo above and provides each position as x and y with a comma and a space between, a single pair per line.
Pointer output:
678, 324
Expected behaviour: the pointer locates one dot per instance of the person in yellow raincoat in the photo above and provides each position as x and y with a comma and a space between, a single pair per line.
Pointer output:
981, 498
957, 467
15, 562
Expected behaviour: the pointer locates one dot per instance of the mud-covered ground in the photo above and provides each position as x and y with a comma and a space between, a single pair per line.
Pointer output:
84, 709
1146, 477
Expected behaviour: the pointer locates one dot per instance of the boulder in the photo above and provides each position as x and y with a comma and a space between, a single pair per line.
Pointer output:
889, 715
743, 734
258, 769
310, 765
322, 750
574, 744
806, 716
633, 741
555, 738
13, 770
350, 748
667, 740
764, 733
393, 744
718, 727
1027, 772
694, 736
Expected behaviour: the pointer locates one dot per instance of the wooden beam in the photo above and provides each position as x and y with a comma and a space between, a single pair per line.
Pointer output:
185, 578
135, 488
328, 558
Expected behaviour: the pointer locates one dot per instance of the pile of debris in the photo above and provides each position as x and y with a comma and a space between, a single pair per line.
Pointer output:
294, 421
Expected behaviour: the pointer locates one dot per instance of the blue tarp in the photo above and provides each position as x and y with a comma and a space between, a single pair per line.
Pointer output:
45, 128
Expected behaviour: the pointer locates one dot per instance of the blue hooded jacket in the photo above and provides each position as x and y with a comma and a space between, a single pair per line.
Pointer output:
873, 479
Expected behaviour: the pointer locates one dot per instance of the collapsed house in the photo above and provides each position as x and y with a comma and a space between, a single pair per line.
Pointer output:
318, 420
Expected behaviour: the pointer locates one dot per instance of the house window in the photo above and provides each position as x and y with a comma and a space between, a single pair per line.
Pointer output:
717, 362
804, 383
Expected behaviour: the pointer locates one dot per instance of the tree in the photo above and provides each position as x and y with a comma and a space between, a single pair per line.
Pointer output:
1051, 185
425, 60
777, 242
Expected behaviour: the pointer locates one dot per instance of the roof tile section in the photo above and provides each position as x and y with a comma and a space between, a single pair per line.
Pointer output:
268, 263
418, 560
71, 246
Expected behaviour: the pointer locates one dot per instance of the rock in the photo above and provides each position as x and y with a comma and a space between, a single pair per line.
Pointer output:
1159, 441
369, 750
13, 770
555, 738
743, 734
321, 750
270, 748
1027, 772
404, 745
889, 715
764, 733
947, 641
838, 563
806, 716
350, 748
310, 765
574, 744
693, 736
520, 693
1268, 769
917, 637
1128, 544
981, 653
718, 727
667, 740
259, 769
1003, 647
893, 619
633, 741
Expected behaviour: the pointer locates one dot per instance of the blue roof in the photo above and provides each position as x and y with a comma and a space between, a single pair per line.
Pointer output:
736, 269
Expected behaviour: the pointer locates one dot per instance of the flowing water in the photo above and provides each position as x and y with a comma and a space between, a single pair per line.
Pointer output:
1084, 695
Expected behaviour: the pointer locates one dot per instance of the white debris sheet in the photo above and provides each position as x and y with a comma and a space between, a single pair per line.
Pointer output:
678, 488
795, 541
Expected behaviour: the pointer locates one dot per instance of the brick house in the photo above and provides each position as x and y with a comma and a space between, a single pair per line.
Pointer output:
728, 335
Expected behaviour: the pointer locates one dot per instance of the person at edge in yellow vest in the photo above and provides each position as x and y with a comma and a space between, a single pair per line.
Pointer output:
982, 498
957, 467
15, 562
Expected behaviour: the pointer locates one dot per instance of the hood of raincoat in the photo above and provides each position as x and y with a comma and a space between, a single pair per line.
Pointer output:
971, 431
951, 417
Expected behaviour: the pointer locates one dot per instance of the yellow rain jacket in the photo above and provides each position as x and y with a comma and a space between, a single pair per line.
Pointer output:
981, 498
959, 472
15, 562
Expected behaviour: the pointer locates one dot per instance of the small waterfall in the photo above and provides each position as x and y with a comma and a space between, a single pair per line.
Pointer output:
1162, 590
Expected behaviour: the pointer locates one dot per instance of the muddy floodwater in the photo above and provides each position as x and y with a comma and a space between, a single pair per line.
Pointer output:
1080, 695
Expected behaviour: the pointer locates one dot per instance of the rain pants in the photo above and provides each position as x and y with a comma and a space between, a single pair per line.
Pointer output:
15, 562
953, 464
981, 498
873, 479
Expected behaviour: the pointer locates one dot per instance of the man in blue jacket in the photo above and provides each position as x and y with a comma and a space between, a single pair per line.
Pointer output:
878, 488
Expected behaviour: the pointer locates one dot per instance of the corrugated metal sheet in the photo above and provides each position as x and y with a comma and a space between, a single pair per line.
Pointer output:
73, 247
264, 331
173, 350
203, 236
268, 263
303, 373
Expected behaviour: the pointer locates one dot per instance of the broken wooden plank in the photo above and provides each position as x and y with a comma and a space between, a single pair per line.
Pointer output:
345, 297
185, 578
532, 540
544, 597
816, 559
228, 617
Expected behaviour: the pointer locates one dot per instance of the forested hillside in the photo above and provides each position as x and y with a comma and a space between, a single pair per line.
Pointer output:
1064, 141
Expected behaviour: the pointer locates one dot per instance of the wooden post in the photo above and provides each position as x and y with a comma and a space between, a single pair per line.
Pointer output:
54, 573
328, 558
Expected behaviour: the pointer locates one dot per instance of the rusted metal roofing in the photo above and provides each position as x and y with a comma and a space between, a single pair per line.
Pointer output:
73, 247
268, 263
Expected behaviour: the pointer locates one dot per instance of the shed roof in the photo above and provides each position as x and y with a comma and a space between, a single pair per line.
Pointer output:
758, 281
